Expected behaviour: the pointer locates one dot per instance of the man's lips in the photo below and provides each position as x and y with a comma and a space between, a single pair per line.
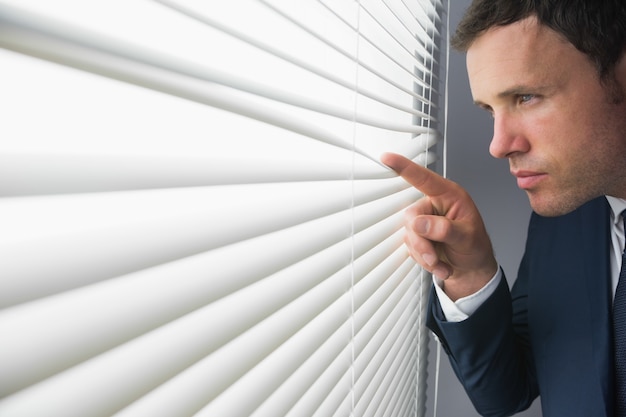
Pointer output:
528, 179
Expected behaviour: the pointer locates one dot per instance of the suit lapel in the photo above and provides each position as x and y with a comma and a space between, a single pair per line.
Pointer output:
596, 238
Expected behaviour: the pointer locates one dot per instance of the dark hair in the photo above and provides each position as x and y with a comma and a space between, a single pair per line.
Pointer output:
597, 28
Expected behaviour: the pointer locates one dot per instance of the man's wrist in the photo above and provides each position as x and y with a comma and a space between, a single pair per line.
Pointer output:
463, 285
462, 308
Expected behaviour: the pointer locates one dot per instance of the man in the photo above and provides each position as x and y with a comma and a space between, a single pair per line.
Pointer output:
553, 76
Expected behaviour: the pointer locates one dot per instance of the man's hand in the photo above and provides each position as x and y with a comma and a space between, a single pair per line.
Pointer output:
444, 230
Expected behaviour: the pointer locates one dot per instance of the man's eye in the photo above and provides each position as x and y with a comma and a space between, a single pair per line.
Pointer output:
524, 98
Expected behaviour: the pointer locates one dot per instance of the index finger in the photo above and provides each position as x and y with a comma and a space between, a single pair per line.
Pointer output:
425, 180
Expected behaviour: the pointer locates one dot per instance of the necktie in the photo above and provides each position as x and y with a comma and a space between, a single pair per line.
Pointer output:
619, 337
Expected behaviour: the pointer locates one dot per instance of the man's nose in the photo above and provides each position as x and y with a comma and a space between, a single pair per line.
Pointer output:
508, 136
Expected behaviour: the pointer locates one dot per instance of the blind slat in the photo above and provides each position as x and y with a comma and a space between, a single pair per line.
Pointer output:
395, 37
384, 379
97, 382
405, 16
404, 402
387, 354
24, 32
404, 387
315, 382
57, 174
380, 50
370, 357
325, 107
221, 361
119, 247
392, 383
58, 314
399, 86
365, 350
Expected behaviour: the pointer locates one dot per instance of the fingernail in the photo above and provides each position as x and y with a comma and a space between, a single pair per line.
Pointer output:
440, 273
429, 258
422, 225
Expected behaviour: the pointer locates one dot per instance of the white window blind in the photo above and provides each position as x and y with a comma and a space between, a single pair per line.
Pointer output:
194, 219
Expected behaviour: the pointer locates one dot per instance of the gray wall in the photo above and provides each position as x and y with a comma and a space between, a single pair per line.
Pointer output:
504, 207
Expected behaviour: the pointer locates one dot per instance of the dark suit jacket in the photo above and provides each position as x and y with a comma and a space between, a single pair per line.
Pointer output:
551, 335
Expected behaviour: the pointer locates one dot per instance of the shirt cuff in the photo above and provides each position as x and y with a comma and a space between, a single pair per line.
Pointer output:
461, 309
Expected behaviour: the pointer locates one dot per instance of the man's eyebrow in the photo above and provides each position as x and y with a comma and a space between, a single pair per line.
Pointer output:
519, 89
481, 104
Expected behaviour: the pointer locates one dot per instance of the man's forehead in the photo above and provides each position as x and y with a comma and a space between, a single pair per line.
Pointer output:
515, 37
506, 60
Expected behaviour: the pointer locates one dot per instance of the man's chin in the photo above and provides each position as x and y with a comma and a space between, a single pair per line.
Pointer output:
553, 207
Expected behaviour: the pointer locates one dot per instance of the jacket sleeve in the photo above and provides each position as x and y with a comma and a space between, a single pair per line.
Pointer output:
490, 352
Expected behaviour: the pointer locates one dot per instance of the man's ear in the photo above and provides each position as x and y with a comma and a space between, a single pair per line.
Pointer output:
617, 84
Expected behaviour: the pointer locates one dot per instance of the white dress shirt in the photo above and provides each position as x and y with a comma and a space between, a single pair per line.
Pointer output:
462, 308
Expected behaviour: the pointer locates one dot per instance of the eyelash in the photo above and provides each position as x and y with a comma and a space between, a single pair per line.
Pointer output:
524, 98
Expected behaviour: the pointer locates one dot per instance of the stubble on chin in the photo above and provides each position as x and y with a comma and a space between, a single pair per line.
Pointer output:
556, 204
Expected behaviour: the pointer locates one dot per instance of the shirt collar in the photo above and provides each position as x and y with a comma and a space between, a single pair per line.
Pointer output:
618, 205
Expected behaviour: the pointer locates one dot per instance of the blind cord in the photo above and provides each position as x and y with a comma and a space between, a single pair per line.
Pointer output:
354, 132
445, 175
445, 105
423, 275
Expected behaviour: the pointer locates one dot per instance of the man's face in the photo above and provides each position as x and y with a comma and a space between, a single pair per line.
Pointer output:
564, 137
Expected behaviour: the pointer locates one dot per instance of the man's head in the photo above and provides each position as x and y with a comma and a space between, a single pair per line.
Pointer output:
557, 114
